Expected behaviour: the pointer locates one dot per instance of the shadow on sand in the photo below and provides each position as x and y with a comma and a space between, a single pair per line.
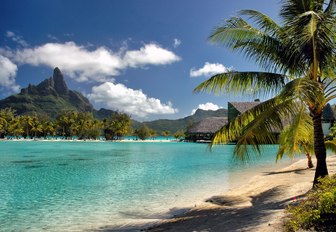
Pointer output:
224, 217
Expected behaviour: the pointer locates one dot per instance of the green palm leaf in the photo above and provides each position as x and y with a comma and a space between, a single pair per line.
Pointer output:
253, 82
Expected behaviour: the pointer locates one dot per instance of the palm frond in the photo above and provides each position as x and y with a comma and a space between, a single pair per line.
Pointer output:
261, 44
255, 126
264, 22
306, 90
298, 136
252, 82
331, 145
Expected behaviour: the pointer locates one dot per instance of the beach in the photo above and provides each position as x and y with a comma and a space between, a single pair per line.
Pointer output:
256, 206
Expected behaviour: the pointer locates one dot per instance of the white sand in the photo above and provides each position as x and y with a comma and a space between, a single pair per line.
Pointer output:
256, 206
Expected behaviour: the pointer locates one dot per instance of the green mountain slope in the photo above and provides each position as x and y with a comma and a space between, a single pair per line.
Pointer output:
51, 96
183, 123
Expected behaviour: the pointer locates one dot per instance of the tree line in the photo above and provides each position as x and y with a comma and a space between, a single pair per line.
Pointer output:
70, 124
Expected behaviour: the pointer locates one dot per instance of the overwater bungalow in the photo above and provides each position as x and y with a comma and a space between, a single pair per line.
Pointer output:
205, 129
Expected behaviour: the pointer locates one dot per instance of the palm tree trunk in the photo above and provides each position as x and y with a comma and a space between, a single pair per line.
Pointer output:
310, 162
319, 149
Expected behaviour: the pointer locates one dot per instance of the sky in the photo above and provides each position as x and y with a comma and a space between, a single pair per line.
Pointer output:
141, 57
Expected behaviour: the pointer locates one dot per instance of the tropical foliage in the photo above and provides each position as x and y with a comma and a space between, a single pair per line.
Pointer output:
317, 211
67, 124
117, 126
297, 137
144, 132
297, 57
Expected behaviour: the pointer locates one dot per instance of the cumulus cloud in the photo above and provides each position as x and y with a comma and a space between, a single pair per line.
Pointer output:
76, 61
17, 38
206, 106
177, 43
209, 69
150, 54
134, 102
7, 74
100, 64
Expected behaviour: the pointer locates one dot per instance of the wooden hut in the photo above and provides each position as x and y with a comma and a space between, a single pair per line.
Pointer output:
204, 130
237, 108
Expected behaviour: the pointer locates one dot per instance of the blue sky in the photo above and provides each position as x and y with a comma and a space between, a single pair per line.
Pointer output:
142, 57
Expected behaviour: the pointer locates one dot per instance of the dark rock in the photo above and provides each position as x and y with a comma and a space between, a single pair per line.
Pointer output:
59, 82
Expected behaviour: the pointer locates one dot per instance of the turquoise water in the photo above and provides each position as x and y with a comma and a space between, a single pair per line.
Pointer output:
75, 186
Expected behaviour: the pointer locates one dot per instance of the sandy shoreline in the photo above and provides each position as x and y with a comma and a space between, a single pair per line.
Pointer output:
257, 205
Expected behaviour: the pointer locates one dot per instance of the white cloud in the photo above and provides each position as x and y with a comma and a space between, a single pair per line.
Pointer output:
206, 106
17, 38
209, 69
177, 43
98, 65
134, 102
7, 74
150, 54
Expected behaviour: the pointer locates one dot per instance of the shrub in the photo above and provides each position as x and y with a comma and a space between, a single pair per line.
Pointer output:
317, 211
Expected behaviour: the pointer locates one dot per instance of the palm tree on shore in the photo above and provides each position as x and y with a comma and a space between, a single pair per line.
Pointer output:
298, 137
298, 58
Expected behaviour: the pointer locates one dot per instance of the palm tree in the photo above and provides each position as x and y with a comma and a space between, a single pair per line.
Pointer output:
298, 137
165, 133
6, 116
37, 127
298, 59
27, 122
15, 128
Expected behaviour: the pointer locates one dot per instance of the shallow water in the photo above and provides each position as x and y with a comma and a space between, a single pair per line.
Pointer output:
75, 186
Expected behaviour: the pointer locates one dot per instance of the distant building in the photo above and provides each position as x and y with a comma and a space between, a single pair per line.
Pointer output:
237, 108
204, 130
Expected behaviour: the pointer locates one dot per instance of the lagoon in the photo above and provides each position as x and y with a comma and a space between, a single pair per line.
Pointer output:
78, 186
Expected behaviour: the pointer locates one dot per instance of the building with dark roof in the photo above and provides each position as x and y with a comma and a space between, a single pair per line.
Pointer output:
237, 108
204, 130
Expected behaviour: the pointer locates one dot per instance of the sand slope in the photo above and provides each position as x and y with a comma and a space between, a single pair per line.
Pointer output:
256, 206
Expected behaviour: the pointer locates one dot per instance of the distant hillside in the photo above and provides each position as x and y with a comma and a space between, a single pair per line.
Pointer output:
183, 123
51, 97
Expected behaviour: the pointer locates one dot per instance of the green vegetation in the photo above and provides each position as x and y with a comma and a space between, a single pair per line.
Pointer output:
317, 211
143, 132
298, 57
298, 137
67, 124
179, 135
117, 126
165, 133
181, 124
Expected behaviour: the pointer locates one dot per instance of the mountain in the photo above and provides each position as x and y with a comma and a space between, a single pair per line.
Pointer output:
183, 123
51, 96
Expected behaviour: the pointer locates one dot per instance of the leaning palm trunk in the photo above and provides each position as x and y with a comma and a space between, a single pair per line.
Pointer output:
310, 162
319, 148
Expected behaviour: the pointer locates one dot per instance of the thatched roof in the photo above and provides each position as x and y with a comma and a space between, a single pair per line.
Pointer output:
209, 125
244, 106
